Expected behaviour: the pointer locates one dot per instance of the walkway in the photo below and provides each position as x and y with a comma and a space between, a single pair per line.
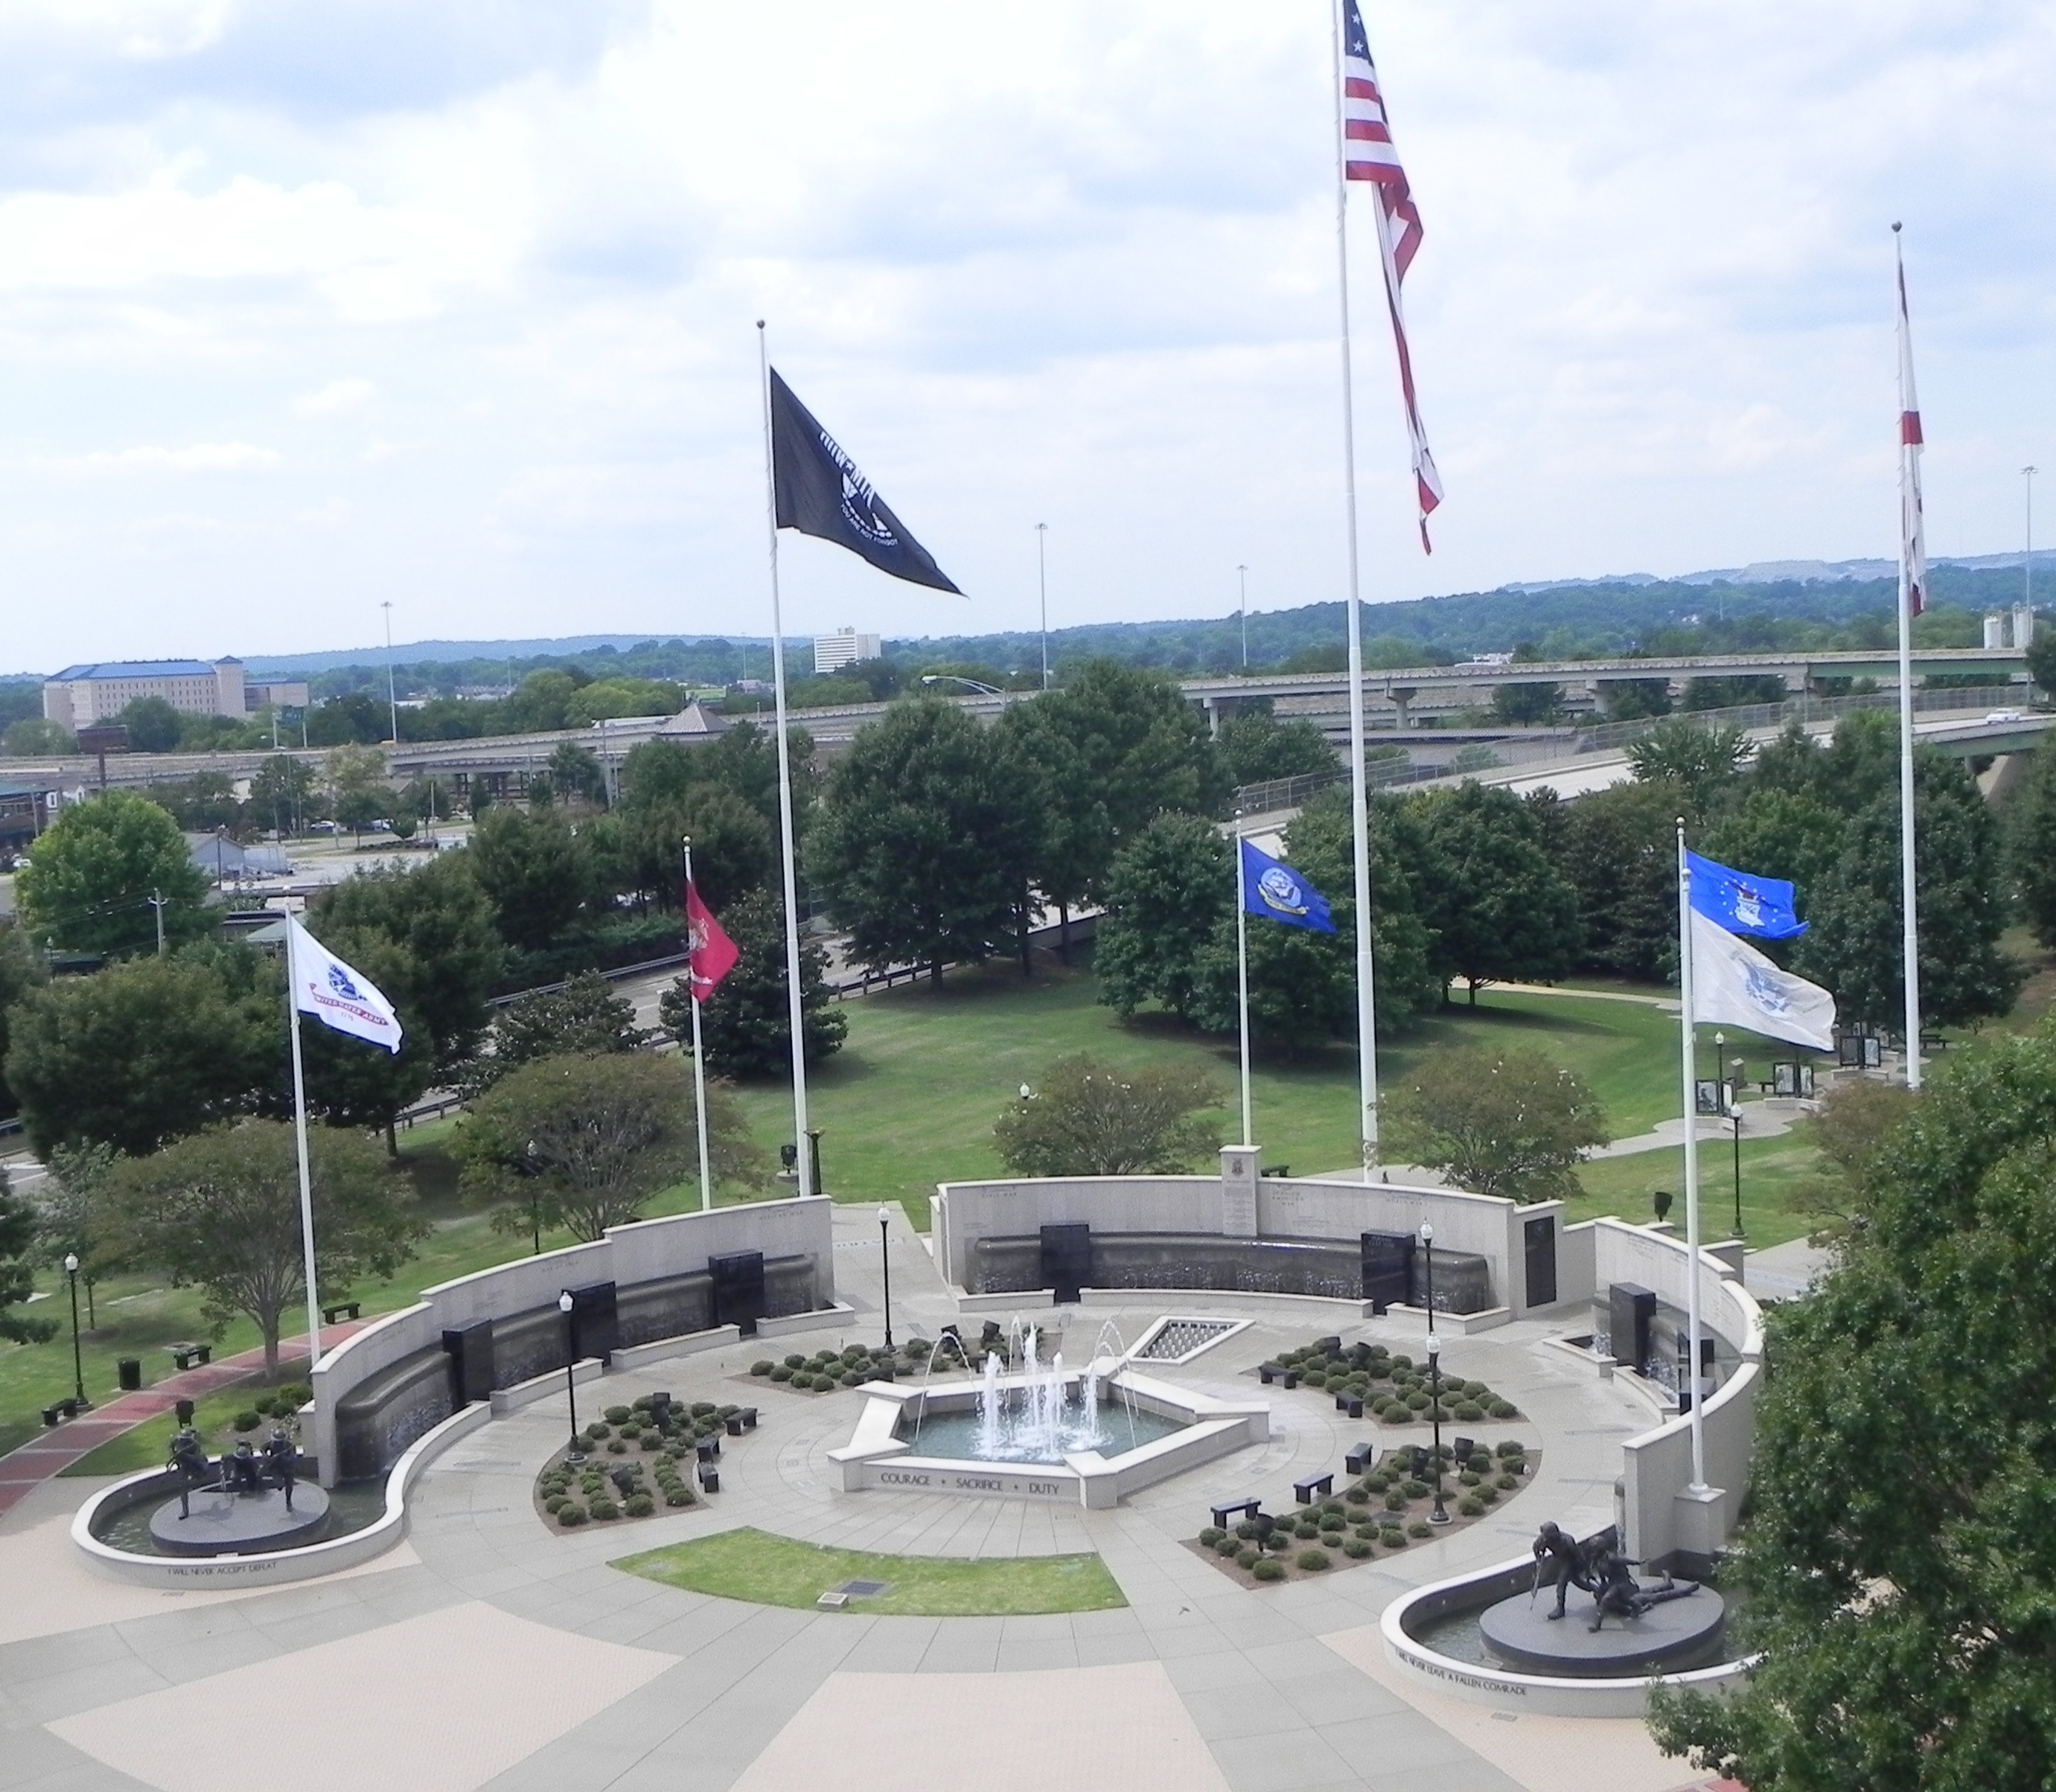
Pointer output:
492, 1651
29, 1465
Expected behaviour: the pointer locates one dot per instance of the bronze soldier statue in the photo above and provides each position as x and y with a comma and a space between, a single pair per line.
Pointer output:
1572, 1564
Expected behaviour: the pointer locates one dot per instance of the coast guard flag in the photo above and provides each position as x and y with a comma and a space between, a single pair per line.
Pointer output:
1275, 890
1764, 907
1733, 984
338, 996
820, 491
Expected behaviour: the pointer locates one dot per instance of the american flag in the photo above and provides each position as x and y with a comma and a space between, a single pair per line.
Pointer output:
1912, 530
1368, 155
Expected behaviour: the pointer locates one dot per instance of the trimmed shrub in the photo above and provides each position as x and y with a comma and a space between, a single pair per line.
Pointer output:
782, 1373
854, 1378
248, 1420
1416, 1490
1504, 1409
677, 1495
704, 1409
1314, 1378
640, 1506
605, 1509
620, 1415
1312, 1562
1392, 1539
1228, 1546
569, 1515
1306, 1529
1402, 1363
1468, 1507
1356, 1549
1395, 1501
1358, 1495
1246, 1558
764, 1367
1487, 1492
1334, 1522
616, 1447
1470, 1478
651, 1440
1506, 1483
1280, 1539
1245, 1530
1268, 1570
1331, 1506
596, 1430
1417, 1400
1209, 1537
1420, 1528
1368, 1533
1512, 1450
1469, 1411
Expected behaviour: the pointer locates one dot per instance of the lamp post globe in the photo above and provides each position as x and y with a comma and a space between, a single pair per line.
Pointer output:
885, 1264
77, 1361
1440, 1515
574, 1451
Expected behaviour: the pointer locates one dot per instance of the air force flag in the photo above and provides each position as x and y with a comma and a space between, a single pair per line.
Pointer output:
820, 491
1275, 890
1766, 908
338, 996
1733, 984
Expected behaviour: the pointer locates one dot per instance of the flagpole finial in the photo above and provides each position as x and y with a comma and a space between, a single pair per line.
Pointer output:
1895, 227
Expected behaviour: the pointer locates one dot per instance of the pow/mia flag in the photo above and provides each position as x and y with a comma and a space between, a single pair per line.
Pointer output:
822, 492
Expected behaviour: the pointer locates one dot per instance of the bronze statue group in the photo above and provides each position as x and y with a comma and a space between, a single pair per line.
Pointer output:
1597, 1567
242, 1470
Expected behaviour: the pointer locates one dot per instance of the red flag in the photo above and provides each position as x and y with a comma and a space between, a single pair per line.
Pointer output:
1912, 530
711, 953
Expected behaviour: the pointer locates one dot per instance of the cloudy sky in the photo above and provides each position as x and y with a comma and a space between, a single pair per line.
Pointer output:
310, 304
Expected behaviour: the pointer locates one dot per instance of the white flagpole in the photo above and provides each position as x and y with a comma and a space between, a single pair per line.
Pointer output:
1687, 1040
795, 1006
1359, 795
1909, 538
1242, 981
699, 1057
300, 1141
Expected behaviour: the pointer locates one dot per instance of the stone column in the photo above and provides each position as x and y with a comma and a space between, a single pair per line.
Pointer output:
1238, 1191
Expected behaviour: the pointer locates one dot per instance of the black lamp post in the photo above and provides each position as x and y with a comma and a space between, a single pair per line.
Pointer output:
1440, 1515
77, 1362
1734, 1107
885, 1263
574, 1452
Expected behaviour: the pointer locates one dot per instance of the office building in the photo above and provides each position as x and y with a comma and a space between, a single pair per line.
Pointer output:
81, 696
843, 648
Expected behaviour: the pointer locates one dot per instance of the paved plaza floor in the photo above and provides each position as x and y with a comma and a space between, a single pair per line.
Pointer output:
489, 1650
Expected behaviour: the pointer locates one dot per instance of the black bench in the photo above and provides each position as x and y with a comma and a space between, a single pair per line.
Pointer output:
708, 1449
343, 1309
1314, 1487
709, 1478
1250, 1509
1360, 1458
742, 1420
52, 1415
1268, 1372
1354, 1408
186, 1354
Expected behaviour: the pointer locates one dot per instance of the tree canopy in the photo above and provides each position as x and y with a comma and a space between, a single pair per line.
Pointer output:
745, 1026
1087, 1118
91, 879
1507, 1123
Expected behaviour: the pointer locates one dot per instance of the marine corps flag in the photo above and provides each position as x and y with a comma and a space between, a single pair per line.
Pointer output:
820, 491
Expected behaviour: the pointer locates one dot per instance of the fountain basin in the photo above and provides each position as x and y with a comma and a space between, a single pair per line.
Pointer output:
1189, 1429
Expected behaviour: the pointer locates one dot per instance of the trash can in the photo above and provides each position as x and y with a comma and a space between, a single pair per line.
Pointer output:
129, 1370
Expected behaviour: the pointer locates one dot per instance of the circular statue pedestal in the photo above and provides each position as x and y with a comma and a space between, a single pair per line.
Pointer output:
240, 1524
1678, 1634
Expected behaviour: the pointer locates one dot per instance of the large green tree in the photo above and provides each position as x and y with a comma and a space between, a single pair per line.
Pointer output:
92, 879
1508, 1123
922, 838
745, 1026
585, 1017
1088, 1118
2031, 843
1498, 908
1699, 762
584, 1142
1618, 850
535, 871
1853, 945
1899, 1560
18, 1278
1255, 746
142, 1053
220, 1211
1168, 890
21, 969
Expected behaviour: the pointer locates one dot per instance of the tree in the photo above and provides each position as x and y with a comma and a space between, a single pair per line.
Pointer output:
1854, 1126
1528, 705
2031, 843
1255, 746
1700, 761
584, 1017
1776, 833
220, 1211
350, 1082
18, 1281
67, 1202
438, 913
2042, 661
21, 969
576, 774
534, 870
1854, 942
1898, 1561
1088, 1118
583, 1142
282, 793
352, 718
919, 840
1507, 1123
34, 738
140, 1054
1497, 908
1733, 693
152, 725
745, 1026
1168, 890
1618, 850
91, 878
1628, 700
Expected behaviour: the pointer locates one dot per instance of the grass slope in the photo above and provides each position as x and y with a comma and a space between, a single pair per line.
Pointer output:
755, 1566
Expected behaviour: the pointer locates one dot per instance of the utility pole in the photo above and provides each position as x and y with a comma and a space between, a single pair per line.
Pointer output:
1042, 585
392, 690
2027, 560
157, 902
1242, 612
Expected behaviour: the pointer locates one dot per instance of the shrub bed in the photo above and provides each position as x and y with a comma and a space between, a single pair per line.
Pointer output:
1395, 1388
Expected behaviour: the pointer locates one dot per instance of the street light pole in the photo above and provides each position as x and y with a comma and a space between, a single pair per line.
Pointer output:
1042, 585
575, 1451
392, 690
1440, 1515
885, 1263
1734, 1107
1242, 613
2027, 558
77, 1361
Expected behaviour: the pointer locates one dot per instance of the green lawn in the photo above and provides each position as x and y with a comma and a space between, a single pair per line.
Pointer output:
910, 1101
762, 1569
1770, 1169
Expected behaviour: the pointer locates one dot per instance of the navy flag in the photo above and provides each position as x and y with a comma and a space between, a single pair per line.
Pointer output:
1272, 889
822, 492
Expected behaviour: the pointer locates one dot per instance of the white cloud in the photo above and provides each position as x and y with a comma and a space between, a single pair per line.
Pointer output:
338, 395
199, 457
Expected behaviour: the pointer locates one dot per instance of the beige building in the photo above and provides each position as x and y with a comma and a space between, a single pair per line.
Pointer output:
81, 696
844, 647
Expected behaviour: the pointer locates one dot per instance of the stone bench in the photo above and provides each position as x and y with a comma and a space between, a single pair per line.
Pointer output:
1314, 1487
186, 1354
1250, 1509
341, 1310
1361, 1458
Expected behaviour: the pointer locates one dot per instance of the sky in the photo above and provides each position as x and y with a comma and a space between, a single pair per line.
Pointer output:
451, 304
